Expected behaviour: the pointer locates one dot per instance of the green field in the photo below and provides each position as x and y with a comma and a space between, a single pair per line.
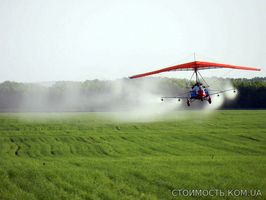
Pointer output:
87, 156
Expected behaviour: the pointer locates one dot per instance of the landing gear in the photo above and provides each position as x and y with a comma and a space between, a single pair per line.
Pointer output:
188, 102
209, 100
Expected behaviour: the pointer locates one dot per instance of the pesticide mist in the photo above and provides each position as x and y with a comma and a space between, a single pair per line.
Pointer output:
124, 99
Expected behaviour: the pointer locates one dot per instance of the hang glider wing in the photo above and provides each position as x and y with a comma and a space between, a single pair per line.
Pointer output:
192, 66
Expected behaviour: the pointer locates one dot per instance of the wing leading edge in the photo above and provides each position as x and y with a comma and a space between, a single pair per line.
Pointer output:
196, 65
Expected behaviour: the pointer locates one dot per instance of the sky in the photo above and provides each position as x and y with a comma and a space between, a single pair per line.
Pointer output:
54, 40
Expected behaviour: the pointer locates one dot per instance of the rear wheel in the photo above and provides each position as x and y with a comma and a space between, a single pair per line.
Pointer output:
188, 102
210, 100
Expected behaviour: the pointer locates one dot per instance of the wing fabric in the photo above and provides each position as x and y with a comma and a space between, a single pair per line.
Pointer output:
196, 65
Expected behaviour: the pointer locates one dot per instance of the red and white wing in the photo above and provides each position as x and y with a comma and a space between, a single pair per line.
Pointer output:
196, 65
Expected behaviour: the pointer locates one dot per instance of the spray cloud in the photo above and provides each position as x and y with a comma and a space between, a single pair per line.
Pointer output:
127, 100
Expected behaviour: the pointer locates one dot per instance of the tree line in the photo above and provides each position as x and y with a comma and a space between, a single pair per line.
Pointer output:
100, 95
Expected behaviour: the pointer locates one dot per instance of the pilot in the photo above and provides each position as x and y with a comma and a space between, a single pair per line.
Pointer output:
195, 89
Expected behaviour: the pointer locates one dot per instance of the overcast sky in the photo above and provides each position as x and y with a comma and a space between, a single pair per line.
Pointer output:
49, 40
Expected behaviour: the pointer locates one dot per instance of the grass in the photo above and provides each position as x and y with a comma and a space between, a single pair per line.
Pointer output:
87, 156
